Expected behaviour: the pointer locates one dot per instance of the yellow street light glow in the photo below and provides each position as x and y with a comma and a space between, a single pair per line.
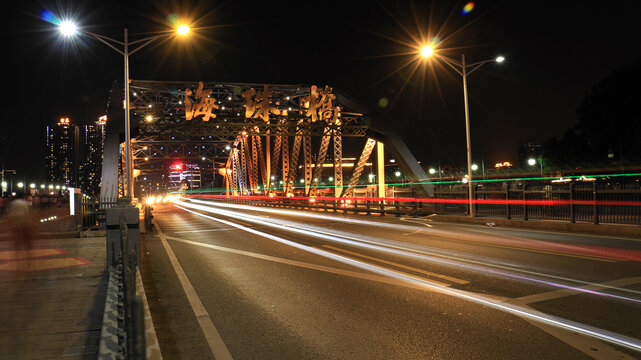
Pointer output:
183, 30
149, 118
427, 51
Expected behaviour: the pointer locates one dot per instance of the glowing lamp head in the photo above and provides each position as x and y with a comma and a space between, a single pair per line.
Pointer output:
531, 162
183, 30
67, 28
149, 118
427, 51
475, 167
500, 59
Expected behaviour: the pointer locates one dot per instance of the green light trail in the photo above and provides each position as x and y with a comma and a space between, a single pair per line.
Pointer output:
199, 191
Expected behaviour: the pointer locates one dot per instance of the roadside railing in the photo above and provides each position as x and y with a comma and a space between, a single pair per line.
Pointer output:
93, 213
123, 329
591, 202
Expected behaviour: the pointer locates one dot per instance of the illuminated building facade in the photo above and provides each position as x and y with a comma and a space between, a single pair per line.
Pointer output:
62, 153
91, 167
184, 176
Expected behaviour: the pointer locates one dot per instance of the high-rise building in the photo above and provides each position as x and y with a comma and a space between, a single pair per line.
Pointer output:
62, 153
184, 176
90, 170
528, 150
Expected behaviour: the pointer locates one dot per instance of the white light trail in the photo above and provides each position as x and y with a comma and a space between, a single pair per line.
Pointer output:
534, 315
411, 250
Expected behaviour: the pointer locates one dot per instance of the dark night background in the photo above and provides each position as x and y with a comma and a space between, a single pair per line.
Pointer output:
557, 52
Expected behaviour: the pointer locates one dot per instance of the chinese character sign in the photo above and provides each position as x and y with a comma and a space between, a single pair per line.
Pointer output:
318, 104
204, 104
258, 104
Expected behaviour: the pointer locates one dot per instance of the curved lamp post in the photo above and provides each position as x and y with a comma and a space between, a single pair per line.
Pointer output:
69, 29
463, 69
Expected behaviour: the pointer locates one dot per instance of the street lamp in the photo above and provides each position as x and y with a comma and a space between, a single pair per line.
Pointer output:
68, 28
463, 69
532, 162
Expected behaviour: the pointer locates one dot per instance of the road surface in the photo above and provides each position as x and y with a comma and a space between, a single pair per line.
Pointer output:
235, 281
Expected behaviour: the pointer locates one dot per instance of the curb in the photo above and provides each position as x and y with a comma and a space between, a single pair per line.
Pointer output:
151, 340
601, 229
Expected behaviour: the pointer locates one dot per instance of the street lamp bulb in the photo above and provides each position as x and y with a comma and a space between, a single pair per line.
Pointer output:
531, 162
398, 174
20, 185
427, 51
500, 59
432, 171
183, 30
149, 118
475, 167
67, 28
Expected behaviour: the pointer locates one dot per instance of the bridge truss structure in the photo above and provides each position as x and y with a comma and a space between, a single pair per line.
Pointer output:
254, 135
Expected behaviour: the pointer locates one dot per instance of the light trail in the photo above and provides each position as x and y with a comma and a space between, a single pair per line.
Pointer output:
417, 252
534, 315
584, 250
391, 200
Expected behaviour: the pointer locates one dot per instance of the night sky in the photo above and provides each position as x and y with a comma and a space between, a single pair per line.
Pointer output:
556, 52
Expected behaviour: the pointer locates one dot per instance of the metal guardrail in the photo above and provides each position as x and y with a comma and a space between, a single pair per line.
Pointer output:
590, 202
123, 330
93, 214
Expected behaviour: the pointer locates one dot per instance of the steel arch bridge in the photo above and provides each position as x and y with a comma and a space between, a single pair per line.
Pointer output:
254, 135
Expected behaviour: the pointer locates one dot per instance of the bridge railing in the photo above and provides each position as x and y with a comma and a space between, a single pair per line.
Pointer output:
590, 202
572, 201
93, 213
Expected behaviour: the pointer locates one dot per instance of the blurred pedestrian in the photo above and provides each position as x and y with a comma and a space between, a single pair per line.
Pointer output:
19, 220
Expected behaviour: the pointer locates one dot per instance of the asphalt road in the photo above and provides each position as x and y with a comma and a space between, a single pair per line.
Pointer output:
227, 280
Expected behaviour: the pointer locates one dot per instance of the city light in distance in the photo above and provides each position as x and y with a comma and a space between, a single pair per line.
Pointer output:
475, 167
531, 162
432, 171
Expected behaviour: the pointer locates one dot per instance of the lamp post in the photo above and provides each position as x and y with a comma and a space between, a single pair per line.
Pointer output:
532, 162
463, 69
68, 28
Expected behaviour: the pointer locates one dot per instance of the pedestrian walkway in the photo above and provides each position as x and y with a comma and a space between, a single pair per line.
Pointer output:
52, 298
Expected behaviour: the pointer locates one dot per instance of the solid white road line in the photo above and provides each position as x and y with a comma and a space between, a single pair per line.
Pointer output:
215, 342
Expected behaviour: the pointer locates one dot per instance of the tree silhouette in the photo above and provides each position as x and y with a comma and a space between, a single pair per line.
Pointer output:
609, 124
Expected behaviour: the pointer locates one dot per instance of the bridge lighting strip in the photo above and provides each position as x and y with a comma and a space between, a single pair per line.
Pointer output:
534, 315
384, 246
